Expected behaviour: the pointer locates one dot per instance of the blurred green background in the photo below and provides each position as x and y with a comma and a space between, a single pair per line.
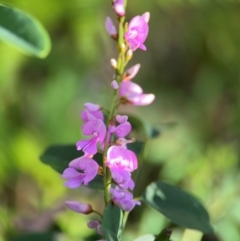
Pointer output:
191, 65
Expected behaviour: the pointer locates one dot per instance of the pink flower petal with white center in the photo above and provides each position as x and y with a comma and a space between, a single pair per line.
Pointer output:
119, 7
92, 107
131, 73
123, 130
79, 207
133, 93
88, 146
137, 32
146, 17
143, 99
120, 158
96, 128
121, 118
111, 29
128, 88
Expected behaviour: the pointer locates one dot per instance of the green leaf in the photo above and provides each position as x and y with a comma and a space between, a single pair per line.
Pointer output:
112, 221
35, 236
164, 235
23, 32
141, 126
180, 207
147, 237
136, 147
59, 156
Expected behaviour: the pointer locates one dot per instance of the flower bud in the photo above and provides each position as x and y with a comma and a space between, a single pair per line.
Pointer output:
146, 17
113, 63
129, 54
119, 7
79, 207
114, 85
110, 27
92, 224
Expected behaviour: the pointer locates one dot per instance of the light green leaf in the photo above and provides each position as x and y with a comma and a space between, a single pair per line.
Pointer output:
112, 221
147, 237
24, 32
180, 207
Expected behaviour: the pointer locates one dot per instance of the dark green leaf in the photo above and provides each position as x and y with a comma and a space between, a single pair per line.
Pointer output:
24, 32
112, 221
136, 147
35, 237
178, 206
147, 237
59, 156
164, 235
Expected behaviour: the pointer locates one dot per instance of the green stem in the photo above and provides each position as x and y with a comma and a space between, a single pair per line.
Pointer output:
119, 73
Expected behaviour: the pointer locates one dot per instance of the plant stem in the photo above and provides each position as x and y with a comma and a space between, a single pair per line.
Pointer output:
119, 73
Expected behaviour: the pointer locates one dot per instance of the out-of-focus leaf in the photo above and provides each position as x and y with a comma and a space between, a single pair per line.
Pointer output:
143, 127
147, 237
178, 206
59, 156
136, 147
24, 32
35, 236
112, 220
164, 235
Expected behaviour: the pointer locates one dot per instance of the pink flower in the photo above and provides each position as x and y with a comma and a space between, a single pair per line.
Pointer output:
88, 168
131, 73
133, 93
120, 158
97, 129
110, 27
119, 7
91, 112
95, 225
79, 207
114, 85
123, 199
122, 178
137, 32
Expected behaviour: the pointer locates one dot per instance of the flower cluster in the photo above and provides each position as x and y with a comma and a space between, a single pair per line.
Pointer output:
110, 138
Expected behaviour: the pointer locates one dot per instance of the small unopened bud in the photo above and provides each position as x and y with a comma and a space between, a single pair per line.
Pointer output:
92, 107
113, 63
123, 47
79, 207
129, 54
146, 17
92, 224
114, 85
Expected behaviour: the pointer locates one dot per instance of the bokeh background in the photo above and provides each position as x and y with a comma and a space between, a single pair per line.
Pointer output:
191, 65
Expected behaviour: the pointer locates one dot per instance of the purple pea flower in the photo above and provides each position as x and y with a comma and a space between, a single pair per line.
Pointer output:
93, 224
97, 129
91, 112
122, 178
110, 27
118, 157
131, 72
118, 6
133, 93
79, 207
88, 170
137, 32
123, 199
